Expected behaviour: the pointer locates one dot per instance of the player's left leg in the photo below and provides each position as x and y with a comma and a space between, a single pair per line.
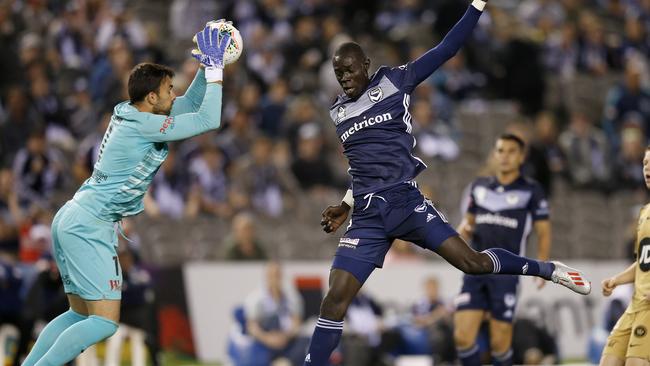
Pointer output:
501, 342
87, 260
51, 333
635, 361
420, 222
500, 261
611, 360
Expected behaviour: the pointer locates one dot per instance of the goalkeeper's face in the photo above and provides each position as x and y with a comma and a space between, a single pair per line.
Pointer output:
164, 97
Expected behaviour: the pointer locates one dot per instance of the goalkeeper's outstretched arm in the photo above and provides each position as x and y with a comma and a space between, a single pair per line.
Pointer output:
191, 100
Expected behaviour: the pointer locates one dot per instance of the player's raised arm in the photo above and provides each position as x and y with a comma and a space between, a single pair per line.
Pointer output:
626, 276
191, 100
170, 128
426, 64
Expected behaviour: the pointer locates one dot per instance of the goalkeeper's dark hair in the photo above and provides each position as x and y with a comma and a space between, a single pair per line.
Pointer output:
146, 78
514, 138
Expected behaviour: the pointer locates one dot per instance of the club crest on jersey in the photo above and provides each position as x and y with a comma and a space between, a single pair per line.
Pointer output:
340, 114
512, 199
480, 193
375, 94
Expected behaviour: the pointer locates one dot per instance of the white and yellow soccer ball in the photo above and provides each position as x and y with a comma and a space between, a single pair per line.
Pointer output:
236, 46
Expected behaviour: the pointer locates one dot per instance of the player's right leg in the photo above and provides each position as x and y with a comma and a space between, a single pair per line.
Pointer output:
617, 343
466, 326
500, 261
84, 248
344, 286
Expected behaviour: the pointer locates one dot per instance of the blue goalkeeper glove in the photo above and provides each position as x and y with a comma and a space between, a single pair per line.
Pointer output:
212, 44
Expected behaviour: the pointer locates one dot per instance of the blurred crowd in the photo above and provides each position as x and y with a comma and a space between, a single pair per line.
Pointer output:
272, 328
65, 64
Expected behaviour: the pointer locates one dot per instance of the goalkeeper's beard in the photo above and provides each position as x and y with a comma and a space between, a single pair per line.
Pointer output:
165, 111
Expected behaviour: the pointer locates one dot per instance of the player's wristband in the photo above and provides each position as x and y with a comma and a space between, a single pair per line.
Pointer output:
213, 74
348, 198
479, 4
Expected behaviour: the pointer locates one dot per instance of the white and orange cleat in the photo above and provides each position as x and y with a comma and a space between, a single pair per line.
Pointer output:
570, 278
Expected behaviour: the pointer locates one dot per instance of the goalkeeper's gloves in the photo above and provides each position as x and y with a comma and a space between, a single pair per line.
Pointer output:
212, 44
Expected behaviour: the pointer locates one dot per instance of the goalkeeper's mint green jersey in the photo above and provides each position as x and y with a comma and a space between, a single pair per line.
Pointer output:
135, 145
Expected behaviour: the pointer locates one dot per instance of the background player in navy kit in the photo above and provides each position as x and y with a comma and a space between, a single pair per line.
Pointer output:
502, 210
374, 125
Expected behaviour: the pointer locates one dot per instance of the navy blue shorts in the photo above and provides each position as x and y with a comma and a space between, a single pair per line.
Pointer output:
494, 293
401, 212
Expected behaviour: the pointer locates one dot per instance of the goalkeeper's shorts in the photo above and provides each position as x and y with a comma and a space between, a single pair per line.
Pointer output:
84, 248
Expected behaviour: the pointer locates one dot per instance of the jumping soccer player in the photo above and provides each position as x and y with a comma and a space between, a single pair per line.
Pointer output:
502, 211
133, 148
629, 342
374, 125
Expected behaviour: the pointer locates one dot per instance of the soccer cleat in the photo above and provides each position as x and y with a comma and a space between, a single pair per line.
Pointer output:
570, 278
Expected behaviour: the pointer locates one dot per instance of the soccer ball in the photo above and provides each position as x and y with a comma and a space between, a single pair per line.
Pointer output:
236, 46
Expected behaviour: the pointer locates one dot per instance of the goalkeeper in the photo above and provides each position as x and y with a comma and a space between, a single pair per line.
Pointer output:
133, 148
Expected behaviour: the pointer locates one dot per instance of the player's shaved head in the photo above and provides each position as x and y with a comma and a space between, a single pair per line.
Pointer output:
351, 68
352, 49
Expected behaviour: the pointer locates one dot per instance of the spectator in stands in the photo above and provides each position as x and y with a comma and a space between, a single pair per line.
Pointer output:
20, 119
106, 77
587, 153
11, 281
242, 243
263, 180
431, 315
136, 311
561, 52
273, 319
274, 105
171, 193
88, 150
545, 159
10, 213
309, 166
592, 51
629, 97
45, 299
455, 80
83, 115
366, 340
628, 167
210, 183
118, 21
301, 111
532, 343
636, 37
238, 139
435, 137
38, 170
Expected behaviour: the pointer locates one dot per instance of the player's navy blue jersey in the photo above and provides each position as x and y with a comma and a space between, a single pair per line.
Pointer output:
504, 214
375, 130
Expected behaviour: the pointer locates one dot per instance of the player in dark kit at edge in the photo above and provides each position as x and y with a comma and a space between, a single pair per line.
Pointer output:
374, 125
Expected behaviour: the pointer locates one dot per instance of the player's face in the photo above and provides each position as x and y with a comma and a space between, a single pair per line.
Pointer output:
165, 98
509, 156
646, 169
351, 73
